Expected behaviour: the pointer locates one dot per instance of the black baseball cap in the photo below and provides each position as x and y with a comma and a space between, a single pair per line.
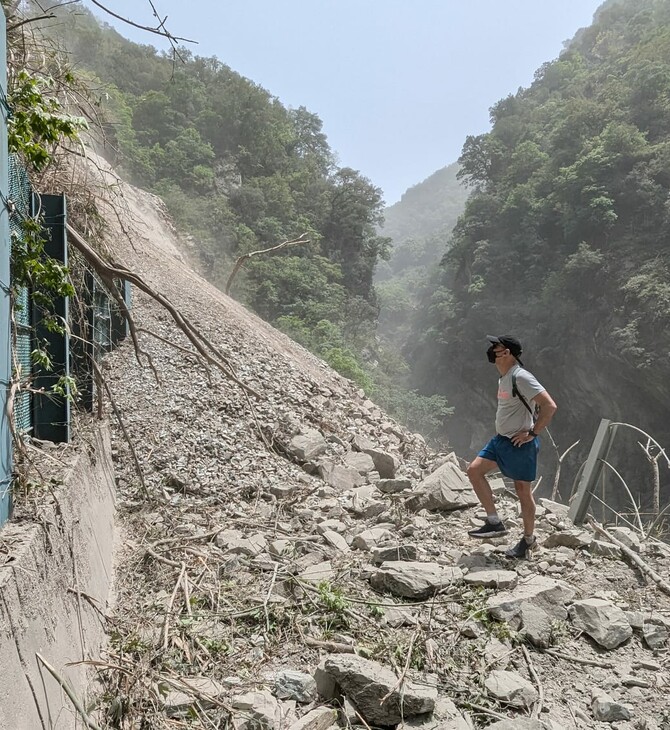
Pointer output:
508, 341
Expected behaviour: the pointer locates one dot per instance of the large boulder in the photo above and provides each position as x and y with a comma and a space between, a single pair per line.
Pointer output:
361, 462
447, 488
414, 579
366, 683
339, 477
604, 622
500, 579
549, 594
385, 463
307, 445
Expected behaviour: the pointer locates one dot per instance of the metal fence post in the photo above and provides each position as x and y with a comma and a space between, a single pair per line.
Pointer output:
5, 312
592, 470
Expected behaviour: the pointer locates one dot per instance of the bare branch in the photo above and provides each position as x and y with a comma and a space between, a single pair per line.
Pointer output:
14, 26
630, 495
109, 272
285, 244
633, 556
159, 30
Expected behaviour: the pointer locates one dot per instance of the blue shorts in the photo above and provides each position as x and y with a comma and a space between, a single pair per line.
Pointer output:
515, 462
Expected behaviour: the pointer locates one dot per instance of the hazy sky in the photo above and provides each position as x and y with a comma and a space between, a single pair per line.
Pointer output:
398, 84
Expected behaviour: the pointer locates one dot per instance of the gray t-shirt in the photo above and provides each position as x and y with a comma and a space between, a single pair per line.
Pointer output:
512, 416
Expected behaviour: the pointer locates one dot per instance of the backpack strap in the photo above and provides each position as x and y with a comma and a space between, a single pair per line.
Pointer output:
516, 393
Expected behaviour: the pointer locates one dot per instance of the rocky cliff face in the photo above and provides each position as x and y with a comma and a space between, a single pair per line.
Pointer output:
299, 560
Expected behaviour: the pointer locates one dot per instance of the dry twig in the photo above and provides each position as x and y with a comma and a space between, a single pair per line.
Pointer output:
633, 556
537, 709
69, 692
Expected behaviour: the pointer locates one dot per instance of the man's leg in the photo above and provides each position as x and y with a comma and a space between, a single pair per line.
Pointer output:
527, 543
524, 492
477, 471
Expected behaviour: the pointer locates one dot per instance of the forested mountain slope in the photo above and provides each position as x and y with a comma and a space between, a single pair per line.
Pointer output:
566, 238
240, 172
419, 225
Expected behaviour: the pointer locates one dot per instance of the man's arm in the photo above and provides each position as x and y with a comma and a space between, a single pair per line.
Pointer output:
547, 408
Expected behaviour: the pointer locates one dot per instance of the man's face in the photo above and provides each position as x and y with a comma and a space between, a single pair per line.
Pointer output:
497, 351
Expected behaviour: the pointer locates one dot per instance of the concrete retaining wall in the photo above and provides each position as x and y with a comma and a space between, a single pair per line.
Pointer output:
43, 568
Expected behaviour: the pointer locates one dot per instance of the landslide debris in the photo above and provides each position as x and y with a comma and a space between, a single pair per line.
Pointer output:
303, 560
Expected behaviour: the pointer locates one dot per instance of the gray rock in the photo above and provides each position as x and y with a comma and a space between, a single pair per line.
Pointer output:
336, 540
232, 542
556, 508
655, 633
604, 622
279, 547
366, 683
569, 538
511, 688
445, 716
605, 709
627, 537
447, 488
319, 719
307, 445
340, 477
386, 464
360, 443
361, 462
284, 491
492, 578
495, 652
326, 686
414, 580
393, 552
369, 539
256, 711
549, 594
226, 537
604, 549
298, 686
177, 702
334, 525
319, 572
393, 486
397, 617
536, 625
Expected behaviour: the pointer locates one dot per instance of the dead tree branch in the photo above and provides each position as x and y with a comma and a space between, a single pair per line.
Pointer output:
160, 29
109, 272
632, 556
656, 477
245, 257
68, 691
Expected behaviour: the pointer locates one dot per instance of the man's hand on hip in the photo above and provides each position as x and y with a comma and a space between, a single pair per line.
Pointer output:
521, 438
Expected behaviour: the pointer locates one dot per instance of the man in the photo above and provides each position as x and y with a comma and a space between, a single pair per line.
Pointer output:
514, 449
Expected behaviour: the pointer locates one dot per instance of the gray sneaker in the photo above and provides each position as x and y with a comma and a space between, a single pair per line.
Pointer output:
489, 530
